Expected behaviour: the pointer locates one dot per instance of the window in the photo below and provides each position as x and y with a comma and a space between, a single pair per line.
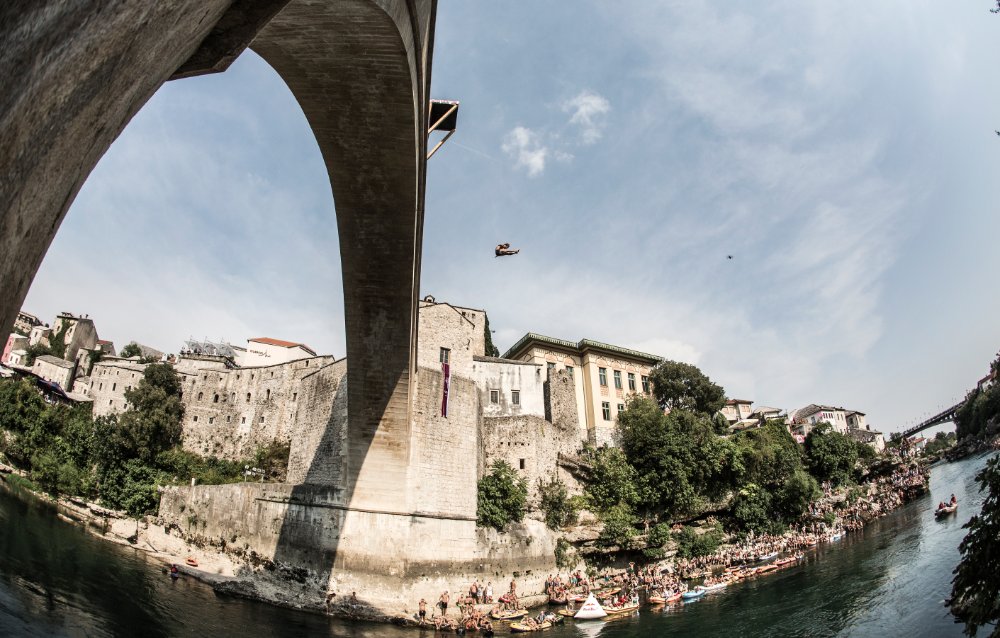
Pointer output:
618, 379
195, 419
445, 356
229, 419
495, 397
267, 396
215, 399
631, 382
515, 397
248, 397
295, 396
243, 420
102, 387
606, 410
232, 397
114, 386
521, 463
645, 384
211, 420
551, 366
621, 408
569, 370
602, 375
200, 395
111, 401
261, 419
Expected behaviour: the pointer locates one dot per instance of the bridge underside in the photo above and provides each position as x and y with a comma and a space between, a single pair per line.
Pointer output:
75, 73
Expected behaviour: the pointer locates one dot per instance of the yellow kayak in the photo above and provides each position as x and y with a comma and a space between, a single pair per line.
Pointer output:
509, 615
522, 628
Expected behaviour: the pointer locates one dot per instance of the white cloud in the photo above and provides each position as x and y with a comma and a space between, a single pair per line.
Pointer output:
588, 110
526, 148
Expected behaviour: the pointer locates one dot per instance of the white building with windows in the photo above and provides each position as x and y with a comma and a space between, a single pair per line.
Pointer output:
604, 377
265, 351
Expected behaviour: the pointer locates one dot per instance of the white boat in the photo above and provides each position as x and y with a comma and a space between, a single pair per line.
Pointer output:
590, 610
697, 592
764, 557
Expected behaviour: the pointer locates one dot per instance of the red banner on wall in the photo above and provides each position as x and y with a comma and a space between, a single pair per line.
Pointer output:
446, 370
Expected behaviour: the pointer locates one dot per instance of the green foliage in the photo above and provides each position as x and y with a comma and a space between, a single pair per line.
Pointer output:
691, 544
795, 495
766, 456
751, 510
657, 538
613, 479
152, 423
131, 487
34, 351
555, 502
273, 459
976, 587
677, 459
57, 342
683, 386
941, 442
564, 558
491, 350
619, 526
831, 456
981, 407
502, 497
130, 350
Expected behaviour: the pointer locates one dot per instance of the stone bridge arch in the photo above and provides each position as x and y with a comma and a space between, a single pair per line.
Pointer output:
75, 73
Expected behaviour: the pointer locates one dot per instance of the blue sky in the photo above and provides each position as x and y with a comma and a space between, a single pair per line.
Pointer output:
843, 153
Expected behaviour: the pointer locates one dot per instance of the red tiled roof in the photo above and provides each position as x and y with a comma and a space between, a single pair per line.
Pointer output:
282, 344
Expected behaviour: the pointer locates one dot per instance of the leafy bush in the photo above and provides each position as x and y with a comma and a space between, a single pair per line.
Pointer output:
619, 526
564, 557
555, 502
658, 537
831, 455
975, 589
502, 497
691, 544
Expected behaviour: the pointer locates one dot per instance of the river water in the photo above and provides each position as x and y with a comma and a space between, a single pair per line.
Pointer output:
888, 580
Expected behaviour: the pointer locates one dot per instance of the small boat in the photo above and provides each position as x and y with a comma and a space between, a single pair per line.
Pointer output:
766, 568
578, 598
191, 561
558, 600
604, 593
624, 609
568, 613
590, 610
522, 628
715, 587
513, 614
692, 594
656, 600
765, 557
788, 560
941, 512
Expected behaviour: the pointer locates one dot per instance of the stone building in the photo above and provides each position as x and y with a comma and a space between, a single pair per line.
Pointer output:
467, 410
25, 322
265, 351
603, 377
77, 333
55, 370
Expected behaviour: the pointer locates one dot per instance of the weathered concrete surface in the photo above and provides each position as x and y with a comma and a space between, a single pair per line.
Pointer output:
360, 71
74, 74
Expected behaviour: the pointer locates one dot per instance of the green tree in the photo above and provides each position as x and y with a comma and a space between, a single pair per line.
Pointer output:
34, 351
677, 458
613, 479
491, 350
795, 495
683, 386
152, 421
831, 455
975, 592
691, 544
502, 497
130, 350
555, 502
619, 527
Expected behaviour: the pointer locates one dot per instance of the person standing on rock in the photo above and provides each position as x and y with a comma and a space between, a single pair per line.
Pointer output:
443, 603
422, 606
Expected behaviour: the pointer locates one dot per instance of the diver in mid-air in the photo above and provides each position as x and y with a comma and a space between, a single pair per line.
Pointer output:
503, 250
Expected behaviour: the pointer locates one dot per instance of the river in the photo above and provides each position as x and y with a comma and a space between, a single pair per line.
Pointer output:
888, 580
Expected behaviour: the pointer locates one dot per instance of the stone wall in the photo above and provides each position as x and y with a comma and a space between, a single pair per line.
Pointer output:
228, 412
499, 378
317, 448
390, 559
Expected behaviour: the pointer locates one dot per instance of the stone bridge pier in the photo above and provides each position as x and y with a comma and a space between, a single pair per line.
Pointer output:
75, 72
